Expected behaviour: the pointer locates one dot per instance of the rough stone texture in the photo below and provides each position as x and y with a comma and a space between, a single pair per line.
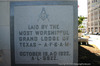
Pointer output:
5, 57
38, 0
5, 34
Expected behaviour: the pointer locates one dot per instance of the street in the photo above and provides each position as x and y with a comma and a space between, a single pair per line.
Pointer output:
94, 39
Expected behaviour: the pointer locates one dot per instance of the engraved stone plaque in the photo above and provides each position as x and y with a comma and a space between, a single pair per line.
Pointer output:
43, 32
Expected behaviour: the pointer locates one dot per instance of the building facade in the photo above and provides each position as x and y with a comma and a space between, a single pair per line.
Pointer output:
93, 16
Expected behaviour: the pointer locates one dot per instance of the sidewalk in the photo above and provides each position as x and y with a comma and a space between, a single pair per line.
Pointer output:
89, 54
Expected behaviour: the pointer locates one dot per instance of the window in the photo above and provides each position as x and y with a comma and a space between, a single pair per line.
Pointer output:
96, 23
88, 24
99, 22
89, 29
96, 15
92, 29
96, 29
88, 7
91, 23
88, 3
96, 0
92, 1
99, 14
99, 29
91, 16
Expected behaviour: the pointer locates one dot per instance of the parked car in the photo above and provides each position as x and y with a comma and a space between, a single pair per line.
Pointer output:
96, 33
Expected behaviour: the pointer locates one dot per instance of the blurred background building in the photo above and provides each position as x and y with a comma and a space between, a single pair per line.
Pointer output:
93, 16
84, 24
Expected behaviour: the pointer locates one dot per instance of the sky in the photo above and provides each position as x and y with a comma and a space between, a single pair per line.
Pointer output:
82, 9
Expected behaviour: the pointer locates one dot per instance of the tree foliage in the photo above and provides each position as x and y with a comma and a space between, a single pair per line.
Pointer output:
80, 19
81, 26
